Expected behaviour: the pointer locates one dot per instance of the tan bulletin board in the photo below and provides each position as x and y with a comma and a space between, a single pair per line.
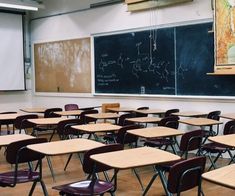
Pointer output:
63, 66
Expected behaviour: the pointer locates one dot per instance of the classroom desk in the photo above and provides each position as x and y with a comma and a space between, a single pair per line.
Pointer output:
91, 129
103, 116
137, 157
230, 116
144, 120
151, 111
10, 118
70, 113
78, 145
33, 110
228, 140
190, 114
224, 176
154, 132
117, 110
46, 121
200, 122
5, 140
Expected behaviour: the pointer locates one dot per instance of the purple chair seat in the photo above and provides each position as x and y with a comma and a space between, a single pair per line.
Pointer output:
85, 187
158, 142
22, 177
214, 147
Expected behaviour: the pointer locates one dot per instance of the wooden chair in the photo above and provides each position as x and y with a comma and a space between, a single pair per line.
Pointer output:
105, 106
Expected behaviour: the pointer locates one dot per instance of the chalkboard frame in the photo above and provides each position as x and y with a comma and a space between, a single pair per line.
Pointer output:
193, 22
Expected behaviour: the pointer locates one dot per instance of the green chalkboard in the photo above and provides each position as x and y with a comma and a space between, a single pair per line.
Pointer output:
167, 61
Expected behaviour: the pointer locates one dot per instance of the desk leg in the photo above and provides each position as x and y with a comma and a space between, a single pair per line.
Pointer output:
51, 168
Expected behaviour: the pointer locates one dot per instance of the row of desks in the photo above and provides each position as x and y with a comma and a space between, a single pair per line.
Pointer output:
127, 158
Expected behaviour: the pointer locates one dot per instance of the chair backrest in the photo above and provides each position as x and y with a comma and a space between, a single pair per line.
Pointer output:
122, 119
186, 174
170, 121
169, 112
22, 123
85, 119
229, 127
49, 113
138, 114
215, 115
17, 152
71, 106
191, 140
123, 138
88, 163
64, 127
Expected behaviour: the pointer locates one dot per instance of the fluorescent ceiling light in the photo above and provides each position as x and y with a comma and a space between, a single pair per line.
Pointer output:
20, 5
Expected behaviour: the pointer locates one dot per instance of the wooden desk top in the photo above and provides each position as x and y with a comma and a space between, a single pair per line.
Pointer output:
99, 127
144, 119
135, 157
65, 146
224, 176
228, 116
7, 139
224, 139
200, 121
152, 132
70, 113
103, 116
46, 121
190, 114
34, 110
9, 116
120, 109
151, 111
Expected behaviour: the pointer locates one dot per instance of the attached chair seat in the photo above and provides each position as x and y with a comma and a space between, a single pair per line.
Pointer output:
158, 142
7, 179
85, 188
214, 148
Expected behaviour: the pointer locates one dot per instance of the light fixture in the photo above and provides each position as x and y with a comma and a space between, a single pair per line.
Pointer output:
22, 5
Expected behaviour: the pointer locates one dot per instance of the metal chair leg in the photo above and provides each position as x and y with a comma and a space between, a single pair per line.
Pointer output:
32, 188
70, 156
51, 168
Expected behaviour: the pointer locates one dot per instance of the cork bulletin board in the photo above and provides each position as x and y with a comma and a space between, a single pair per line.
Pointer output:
63, 66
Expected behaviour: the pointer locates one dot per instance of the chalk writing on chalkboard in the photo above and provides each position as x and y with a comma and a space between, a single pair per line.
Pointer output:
176, 63
120, 70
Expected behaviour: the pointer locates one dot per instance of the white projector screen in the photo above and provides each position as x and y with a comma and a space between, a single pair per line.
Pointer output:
11, 52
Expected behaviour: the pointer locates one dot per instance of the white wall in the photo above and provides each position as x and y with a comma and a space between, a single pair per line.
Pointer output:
116, 18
